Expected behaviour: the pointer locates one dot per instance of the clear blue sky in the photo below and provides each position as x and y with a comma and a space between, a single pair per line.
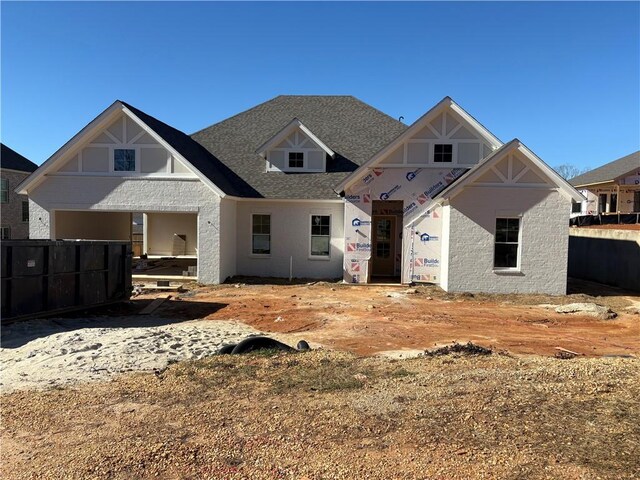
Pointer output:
562, 77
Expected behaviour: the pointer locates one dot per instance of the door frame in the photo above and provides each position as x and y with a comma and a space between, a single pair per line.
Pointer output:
392, 246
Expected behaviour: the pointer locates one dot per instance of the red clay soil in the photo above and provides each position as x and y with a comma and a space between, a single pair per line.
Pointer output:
370, 319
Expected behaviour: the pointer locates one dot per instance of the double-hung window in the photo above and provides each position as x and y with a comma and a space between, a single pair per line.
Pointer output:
5, 233
507, 243
124, 160
261, 234
4, 191
320, 235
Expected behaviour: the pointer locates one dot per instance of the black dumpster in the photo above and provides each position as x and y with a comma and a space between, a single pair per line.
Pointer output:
41, 277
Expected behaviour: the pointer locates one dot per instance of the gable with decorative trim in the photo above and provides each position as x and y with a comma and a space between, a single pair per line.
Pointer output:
296, 153
446, 139
123, 149
514, 170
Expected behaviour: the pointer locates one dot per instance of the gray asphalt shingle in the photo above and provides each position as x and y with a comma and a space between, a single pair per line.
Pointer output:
12, 160
609, 171
350, 127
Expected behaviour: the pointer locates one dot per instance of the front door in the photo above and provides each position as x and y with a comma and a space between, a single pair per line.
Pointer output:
384, 245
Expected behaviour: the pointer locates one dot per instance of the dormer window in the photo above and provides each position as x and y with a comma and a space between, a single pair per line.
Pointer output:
296, 159
295, 149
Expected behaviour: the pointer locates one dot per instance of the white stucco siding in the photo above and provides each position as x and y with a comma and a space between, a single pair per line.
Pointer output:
543, 245
445, 242
228, 225
290, 238
98, 193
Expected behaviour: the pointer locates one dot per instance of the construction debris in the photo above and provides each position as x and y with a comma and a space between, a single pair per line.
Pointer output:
565, 354
465, 349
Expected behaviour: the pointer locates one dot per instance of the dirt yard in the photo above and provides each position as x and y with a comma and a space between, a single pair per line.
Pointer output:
343, 412
367, 320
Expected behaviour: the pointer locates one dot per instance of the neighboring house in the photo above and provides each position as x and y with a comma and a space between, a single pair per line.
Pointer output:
321, 187
611, 188
14, 214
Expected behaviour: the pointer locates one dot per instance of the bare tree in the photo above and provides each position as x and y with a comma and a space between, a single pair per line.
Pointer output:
567, 171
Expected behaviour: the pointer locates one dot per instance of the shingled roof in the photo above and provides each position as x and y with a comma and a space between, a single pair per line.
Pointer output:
609, 171
350, 127
12, 160
197, 155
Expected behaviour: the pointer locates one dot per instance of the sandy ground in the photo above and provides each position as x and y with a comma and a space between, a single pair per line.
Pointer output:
64, 351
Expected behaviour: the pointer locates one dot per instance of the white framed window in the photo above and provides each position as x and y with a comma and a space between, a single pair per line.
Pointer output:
443, 153
507, 244
260, 234
296, 159
25, 211
124, 160
4, 190
320, 240
5, 233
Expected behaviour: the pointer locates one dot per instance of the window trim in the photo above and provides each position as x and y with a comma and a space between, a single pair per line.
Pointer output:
260, 255
310, 255
4, 191
518, 267
8, 228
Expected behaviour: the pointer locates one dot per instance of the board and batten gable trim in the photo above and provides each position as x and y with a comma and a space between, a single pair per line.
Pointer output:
556, 181
423, 122
83, 138
514, 145
286, 131
102, 121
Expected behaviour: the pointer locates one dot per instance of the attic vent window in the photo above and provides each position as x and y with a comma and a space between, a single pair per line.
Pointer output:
124, 160
443, 153
296, 160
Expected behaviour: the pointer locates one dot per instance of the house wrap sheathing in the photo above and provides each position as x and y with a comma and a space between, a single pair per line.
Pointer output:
420, 245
